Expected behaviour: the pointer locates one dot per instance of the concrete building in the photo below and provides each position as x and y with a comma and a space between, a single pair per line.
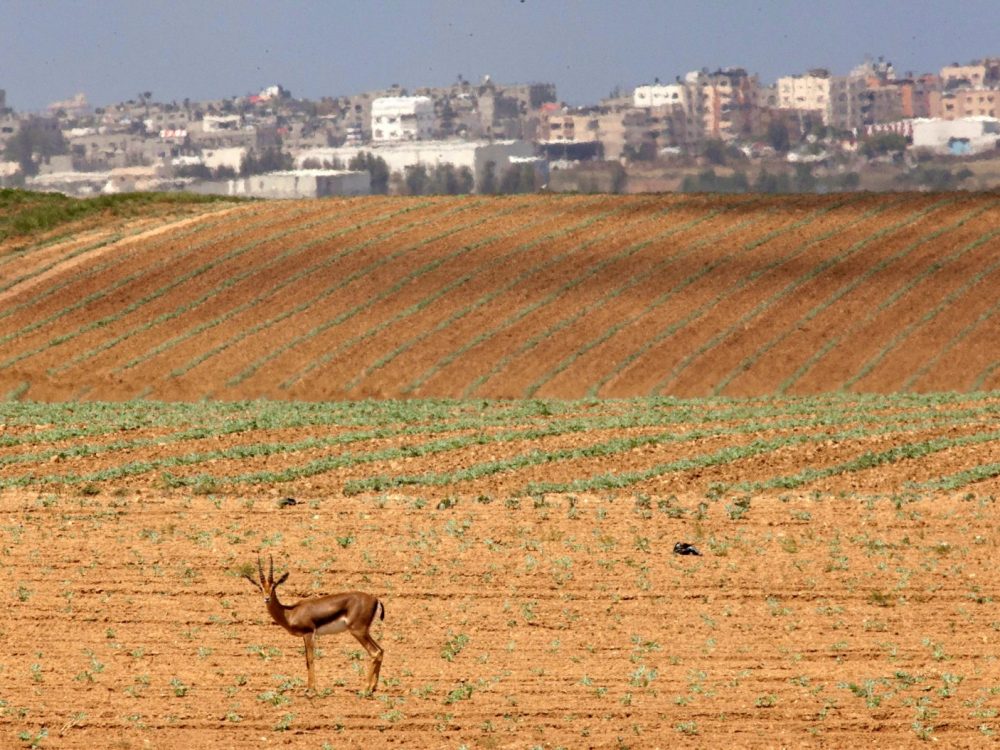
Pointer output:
884, 103
724, 103
221, 123
402, 118
972, 102
75, 106
848, 106
661, 94
809, 92
919, 96
974, 75
77, 184
99, 150
568, 134
961, 136
398, 156
9, 125
301, 183
231, 158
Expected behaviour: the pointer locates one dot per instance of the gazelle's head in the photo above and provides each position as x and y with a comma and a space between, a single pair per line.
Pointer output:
266, 585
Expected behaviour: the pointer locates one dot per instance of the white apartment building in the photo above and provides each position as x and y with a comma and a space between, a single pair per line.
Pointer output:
809, 92
402, 118
660, 94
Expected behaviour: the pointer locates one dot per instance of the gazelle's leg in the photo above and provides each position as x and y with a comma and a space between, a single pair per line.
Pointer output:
310, 640
375, 652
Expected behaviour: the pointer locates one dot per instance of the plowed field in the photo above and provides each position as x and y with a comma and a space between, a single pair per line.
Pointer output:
845, 594
547, 296
809, 404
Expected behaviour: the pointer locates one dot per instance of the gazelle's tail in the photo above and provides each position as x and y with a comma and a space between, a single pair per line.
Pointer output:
380, 604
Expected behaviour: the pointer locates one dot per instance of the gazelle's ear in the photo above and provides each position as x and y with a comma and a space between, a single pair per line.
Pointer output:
255, 584
281, 580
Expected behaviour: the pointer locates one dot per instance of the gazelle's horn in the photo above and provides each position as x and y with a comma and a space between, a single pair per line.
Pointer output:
270, 574
260, 569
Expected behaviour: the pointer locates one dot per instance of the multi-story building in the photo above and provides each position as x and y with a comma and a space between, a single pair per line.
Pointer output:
724, 103
402, 118
976, 74
847, 105
566, 133
919, 95
661, 95
809, 92
665, 115
962, 103
856, 102
884, 104
880, 70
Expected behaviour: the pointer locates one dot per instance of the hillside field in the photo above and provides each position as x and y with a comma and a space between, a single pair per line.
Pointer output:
498, 415
514, 297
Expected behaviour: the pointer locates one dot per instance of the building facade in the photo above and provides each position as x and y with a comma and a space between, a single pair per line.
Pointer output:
724, 103
398, 156
975, 102
292, 184
660, 95
809, 92
402, 118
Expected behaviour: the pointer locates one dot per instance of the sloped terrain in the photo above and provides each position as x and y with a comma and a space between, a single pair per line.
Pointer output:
527, 296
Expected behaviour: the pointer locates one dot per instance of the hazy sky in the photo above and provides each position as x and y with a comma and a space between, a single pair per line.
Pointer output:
206, 49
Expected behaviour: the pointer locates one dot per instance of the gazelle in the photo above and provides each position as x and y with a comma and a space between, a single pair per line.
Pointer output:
353, 611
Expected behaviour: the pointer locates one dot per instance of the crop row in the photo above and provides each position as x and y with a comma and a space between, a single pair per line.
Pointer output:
384, 260
899, 338
314, 301
262, 236
583, 314
837, 340
290, 252
657, 337
786, 291
233, 254
29, 422
389, 291
521, 249
942, 234
638, 428
125, 250
491, 262
475, 430
106, 292
586, 310
601, 240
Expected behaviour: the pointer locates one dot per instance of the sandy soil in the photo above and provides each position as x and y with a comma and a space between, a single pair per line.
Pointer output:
559, 622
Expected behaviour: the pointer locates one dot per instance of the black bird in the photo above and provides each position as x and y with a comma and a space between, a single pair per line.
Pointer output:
285, 502
683, 548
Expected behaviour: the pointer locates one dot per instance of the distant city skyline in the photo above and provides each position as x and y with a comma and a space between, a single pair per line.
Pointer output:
112, 50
